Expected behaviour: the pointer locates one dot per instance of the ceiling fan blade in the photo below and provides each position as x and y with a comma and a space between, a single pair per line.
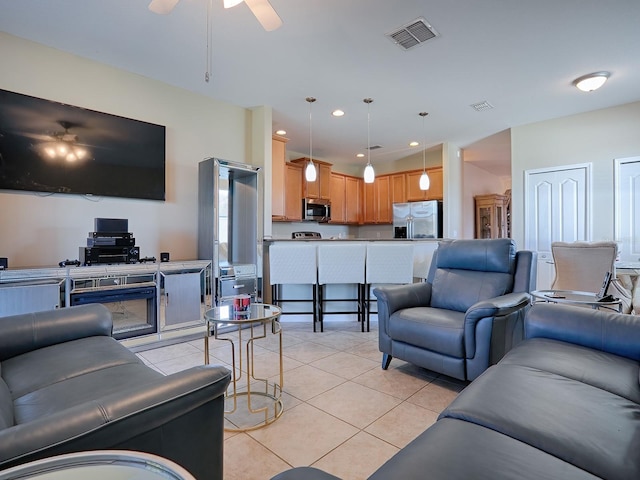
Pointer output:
162, 7
265, 14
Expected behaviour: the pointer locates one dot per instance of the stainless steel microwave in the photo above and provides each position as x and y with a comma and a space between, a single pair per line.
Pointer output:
316, 210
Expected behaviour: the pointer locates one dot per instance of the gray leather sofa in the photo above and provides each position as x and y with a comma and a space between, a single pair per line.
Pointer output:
66, 385
564, 404
467, 313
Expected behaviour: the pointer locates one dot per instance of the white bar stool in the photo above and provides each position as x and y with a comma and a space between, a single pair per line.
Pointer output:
291, 264
386, 264
341, 263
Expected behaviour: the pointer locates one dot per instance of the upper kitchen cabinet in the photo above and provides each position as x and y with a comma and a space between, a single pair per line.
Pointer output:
377, 201
321, 187
345, 199
286, 191
398, 185
435, 191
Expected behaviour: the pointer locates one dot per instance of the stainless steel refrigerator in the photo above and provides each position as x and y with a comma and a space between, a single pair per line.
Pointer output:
417, 219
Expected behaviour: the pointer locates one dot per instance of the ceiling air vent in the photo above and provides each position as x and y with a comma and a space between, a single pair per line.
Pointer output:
412, 34
481, 106
373, 147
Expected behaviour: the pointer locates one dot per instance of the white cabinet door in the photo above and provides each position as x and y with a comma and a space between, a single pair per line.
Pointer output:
556, 210
627, 208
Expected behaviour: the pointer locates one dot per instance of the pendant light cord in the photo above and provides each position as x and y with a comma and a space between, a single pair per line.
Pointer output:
424, 142
207, 73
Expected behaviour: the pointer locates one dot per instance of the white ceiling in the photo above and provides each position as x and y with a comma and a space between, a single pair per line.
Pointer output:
520, 56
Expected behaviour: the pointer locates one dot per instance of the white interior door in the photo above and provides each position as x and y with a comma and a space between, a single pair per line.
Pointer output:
556, 210
627, 208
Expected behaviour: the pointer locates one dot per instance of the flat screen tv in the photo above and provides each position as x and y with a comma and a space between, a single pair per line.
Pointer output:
47, 146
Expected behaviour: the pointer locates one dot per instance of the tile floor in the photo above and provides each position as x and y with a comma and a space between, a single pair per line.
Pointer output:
342, 412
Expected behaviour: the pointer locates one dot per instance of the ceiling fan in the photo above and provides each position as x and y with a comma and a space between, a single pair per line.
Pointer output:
262, 9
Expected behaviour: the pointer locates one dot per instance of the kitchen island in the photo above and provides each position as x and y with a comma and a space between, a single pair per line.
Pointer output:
422, 253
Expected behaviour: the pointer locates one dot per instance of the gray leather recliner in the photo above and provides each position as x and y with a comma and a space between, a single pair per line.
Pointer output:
466, 315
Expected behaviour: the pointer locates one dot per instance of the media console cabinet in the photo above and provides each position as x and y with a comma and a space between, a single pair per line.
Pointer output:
145, 298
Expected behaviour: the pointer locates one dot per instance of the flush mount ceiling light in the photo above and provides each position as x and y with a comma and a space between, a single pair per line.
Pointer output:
338, 113
591, 82
281, 132
425, 182
310, 173
369, 173
360, 155
414, 144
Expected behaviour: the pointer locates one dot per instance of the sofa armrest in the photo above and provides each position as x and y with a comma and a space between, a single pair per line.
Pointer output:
121, 418
603, 330
27, 332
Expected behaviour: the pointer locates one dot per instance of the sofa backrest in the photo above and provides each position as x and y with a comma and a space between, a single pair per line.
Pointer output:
463, 272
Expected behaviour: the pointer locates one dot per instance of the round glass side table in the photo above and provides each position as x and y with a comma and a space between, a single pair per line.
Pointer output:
250, 401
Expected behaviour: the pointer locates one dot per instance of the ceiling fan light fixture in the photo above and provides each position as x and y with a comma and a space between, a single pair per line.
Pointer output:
591, 82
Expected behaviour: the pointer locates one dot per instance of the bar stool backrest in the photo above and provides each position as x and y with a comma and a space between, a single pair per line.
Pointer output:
292, 263
341, 263
389, 263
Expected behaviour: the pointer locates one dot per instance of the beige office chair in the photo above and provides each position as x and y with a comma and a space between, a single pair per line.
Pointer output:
581, 266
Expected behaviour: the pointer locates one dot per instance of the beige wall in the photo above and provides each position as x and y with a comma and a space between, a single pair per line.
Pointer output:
476, 181
597, 137
38, 230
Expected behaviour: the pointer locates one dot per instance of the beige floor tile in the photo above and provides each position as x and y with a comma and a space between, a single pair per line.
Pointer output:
168, 353
368, 350
247, 459
437, 395
180, 363
341, 340
355, 404
345, 364
357, 458
303, 435
308, 352
306, 382
393, 382
402, 424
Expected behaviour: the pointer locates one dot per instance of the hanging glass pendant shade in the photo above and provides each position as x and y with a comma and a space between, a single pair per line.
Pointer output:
310, 172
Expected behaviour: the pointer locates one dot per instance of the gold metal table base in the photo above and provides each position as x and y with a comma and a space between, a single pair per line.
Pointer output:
250, 402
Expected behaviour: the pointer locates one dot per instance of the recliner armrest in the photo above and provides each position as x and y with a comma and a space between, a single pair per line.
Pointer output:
116, 418
495, 307
398, 297
30, 331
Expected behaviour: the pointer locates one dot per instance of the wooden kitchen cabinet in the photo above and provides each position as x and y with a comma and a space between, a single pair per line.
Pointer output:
398, 187
286, 184
491, 216
436, 190
338, 198
321, 187
353, 199
377, 201
293, 195
345, 199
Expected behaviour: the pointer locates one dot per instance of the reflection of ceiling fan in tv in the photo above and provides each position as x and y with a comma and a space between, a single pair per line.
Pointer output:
262, 9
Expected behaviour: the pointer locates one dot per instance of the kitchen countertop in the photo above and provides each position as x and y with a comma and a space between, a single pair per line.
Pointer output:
283, 239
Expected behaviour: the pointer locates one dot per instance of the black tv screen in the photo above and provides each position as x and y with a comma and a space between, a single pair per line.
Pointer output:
47, 146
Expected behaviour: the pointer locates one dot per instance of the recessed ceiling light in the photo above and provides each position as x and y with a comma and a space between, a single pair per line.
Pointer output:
414, 144
337, 113
360, 155
281, 132
591, 82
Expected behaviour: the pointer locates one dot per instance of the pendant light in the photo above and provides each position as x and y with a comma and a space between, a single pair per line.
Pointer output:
310, 173
425, 182
369, 173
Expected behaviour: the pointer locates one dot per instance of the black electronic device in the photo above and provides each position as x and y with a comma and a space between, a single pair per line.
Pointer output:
164, 256
605, 285
111, 241
4, 263
113, 156
110, 235
111, 225
69, 263
147, 259
110, 255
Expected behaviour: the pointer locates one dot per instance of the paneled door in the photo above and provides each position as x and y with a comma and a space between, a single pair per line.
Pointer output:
627, 208
557, 209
